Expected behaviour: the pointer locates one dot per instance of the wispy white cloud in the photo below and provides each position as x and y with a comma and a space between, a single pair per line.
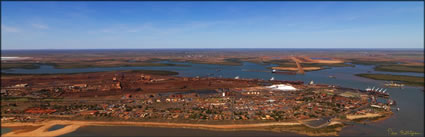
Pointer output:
9, 28
155, 29
40, 26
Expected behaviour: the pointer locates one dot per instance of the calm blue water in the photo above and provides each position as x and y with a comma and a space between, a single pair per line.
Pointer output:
56, 127
409, 99
5, 130
101, 131
246, 70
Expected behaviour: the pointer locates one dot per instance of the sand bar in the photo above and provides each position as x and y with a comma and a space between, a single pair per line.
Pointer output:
367, 115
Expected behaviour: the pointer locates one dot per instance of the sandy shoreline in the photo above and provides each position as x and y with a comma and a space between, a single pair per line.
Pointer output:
15, 58
367, 115
74, 125
296, 69
71, 126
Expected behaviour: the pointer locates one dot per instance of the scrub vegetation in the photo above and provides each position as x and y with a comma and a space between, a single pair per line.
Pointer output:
409, 80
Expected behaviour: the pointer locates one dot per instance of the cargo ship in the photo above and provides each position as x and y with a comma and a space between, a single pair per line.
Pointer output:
377, 91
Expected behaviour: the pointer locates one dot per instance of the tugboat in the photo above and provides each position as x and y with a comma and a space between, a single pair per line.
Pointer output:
391, 102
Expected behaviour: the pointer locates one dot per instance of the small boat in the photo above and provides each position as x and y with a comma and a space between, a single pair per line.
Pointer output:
393, 84
271, 79
332, 77
273, 71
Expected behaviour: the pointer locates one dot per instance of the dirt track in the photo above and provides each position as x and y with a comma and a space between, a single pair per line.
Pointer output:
300, 68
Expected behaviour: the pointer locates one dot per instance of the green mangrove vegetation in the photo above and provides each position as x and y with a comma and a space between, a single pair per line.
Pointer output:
409, 80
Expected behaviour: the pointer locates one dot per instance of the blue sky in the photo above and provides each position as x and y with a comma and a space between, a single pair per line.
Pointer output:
111, 25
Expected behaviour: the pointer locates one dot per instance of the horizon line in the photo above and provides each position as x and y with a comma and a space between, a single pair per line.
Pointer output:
206, 48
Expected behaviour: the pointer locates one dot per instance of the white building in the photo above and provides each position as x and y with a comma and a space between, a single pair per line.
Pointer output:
283, 87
